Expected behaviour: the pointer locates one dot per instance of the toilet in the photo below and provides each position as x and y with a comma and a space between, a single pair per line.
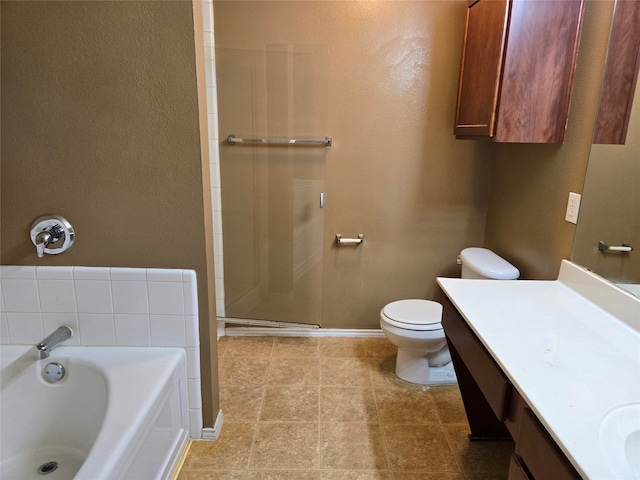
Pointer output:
414, 325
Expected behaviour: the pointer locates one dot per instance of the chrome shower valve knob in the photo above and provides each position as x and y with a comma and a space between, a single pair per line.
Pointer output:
51, 234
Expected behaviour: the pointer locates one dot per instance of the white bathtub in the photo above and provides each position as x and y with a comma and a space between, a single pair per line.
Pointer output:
119, 413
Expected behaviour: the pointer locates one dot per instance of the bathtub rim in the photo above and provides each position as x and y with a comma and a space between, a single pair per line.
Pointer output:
122, 439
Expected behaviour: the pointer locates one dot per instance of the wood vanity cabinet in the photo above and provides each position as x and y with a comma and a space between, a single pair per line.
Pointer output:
496, 410
518, 62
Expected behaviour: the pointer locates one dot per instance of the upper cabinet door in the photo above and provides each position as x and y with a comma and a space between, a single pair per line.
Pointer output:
523, 95
484, 41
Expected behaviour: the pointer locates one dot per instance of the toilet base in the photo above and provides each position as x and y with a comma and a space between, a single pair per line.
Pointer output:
413, 366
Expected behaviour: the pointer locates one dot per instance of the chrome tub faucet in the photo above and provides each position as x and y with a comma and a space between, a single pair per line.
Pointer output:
43, 349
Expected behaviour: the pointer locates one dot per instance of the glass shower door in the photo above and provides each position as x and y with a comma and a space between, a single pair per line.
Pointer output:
272, 220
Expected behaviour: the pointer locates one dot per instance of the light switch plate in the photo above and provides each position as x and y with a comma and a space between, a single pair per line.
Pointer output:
573, 207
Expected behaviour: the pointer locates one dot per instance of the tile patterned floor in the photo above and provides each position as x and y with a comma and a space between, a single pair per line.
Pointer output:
333, 409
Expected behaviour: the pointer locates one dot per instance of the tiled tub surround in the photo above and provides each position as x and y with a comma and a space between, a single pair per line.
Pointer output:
118, 413
126, 307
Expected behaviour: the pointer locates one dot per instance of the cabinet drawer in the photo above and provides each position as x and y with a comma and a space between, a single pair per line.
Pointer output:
492, 382
539, 452
516, 408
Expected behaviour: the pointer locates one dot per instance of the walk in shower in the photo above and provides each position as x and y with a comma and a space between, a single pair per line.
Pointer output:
272, 192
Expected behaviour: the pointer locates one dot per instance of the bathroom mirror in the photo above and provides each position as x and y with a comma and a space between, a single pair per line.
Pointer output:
610, 207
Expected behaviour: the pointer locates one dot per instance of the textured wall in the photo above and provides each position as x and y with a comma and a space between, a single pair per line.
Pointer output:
100, 124
395, 172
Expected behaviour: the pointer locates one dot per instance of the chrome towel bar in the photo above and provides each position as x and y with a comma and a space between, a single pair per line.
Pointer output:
612, 248
327, 141
349, 241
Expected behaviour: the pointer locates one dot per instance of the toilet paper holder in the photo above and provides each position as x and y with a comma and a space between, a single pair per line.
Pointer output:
349, 241
615, 248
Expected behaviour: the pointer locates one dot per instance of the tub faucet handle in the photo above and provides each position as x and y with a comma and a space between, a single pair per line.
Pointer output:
47, 237
42, 240
51, 234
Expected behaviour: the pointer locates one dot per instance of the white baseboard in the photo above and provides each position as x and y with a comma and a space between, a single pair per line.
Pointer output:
221, 328
209, 433
300, 332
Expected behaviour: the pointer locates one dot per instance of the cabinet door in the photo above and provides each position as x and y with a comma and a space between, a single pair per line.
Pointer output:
537, 76
539, 453
480, 71
486, 374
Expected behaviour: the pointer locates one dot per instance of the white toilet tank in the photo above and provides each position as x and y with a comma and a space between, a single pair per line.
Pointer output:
483, 263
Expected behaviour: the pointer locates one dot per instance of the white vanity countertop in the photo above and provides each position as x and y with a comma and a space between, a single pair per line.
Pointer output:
570, 359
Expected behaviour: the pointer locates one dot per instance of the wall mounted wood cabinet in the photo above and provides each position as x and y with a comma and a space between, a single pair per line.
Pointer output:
518, 62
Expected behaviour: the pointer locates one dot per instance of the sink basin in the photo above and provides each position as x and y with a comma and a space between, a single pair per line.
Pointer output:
620, 440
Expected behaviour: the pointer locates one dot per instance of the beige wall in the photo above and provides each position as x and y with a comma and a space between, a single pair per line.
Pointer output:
100, 124
395, 172
531, 183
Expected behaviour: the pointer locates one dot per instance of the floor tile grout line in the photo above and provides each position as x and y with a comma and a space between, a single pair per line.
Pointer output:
452, 448
257, 424
319, 436
384, 437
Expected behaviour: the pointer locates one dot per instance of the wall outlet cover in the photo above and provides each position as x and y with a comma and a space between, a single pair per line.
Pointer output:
573, 207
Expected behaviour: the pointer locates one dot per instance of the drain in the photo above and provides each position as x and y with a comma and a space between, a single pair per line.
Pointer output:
47, 468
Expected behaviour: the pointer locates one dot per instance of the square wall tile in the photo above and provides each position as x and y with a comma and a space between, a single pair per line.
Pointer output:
94, 296
167, 331
57, 296
25, 328
54, 273
91, 273
5, 338
132, 330
166, 298
193, 362
209, 39
191, 330
195, 423
190, 295
128, 274
211, 92
129, 297
97, 329
189, 276
18, 271
194, 394
207, 16
219, 286
164, 275
51, 321
20, 295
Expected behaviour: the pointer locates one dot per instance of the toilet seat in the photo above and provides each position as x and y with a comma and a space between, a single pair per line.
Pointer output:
413, 314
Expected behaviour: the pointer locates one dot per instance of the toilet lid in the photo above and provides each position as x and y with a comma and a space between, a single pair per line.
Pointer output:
414, 313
